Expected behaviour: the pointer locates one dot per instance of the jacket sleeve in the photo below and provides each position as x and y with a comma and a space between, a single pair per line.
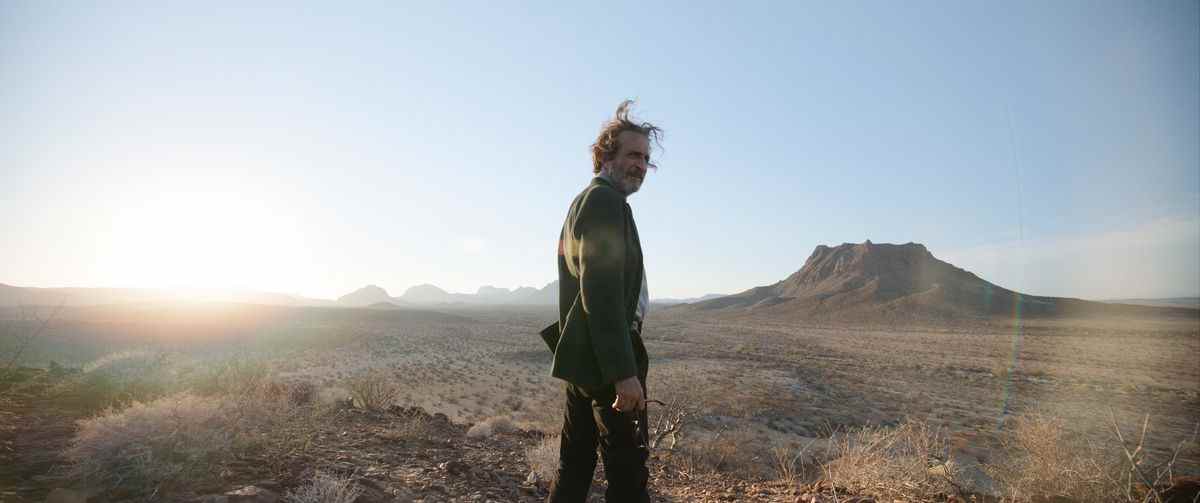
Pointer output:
601, 230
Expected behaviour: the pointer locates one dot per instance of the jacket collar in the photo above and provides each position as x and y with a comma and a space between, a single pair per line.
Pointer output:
603, 179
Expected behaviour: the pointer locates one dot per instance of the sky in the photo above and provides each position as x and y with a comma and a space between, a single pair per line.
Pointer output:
1049, 147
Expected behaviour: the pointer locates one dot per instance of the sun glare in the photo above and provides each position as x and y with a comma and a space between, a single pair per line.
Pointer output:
201, 239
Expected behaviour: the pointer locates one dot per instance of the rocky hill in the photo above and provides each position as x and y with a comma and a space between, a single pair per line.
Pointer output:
887, 282
366, 296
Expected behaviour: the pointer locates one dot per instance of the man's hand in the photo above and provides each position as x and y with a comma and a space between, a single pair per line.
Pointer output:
629, 395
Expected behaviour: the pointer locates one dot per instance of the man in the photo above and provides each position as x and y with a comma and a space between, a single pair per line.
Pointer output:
602, 300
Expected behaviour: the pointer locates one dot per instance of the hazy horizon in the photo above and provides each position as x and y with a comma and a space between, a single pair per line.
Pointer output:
311, 150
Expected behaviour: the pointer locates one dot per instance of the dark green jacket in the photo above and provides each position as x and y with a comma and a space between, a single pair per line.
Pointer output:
599, 279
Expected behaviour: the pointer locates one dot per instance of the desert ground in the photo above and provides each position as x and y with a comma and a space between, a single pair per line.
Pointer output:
750, 388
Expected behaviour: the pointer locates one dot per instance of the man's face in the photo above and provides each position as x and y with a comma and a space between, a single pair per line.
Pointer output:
628, 168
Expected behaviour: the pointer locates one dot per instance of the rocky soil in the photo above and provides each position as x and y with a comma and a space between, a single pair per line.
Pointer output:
401, 454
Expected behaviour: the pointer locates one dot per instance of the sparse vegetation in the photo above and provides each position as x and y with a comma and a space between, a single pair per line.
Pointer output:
543, 459
907, 461
180, 437
323, 487
729, 451
747, 417
118, 380
232, 408
494, 424
1043, 459
792, 464
232, 376
373, 391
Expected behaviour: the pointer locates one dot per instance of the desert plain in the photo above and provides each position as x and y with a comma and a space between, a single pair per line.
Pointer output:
751, 387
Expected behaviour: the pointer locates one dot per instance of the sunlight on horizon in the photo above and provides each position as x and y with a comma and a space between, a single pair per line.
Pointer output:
184, 233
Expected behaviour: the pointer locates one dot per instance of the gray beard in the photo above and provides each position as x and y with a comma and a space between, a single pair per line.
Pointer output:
624, 184
628, 187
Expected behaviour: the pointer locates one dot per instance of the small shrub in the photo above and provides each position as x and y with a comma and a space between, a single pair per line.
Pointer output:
181, 437
793, 463
117, 380
334, 397
415, 427
325, 488
908, 461
726, 451
373, 391
301, 393
1041, 459
232, 377
543, 459
495, 424
128, 358
187, 437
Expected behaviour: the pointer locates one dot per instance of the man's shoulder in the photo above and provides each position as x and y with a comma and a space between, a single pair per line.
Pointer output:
600, 194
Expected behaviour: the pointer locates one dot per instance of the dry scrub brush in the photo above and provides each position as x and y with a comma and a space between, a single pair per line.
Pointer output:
1042, 459
415, 427
230, 377
734, 451
188, 438
322, 487
668, 421
543, 459
373, 390
793, 464
181, 437
908, 461
118, 380
494, 424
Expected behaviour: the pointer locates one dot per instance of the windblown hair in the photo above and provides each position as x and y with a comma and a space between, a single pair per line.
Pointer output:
606, 146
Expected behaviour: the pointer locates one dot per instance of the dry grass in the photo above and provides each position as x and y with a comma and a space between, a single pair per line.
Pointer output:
413, 428
322, 487
373, 391
908, 461
181, 437
1043, 459
474, 371
734, 451
118, 380
793, 464
543, 459
187, 436
230, 377
494, 424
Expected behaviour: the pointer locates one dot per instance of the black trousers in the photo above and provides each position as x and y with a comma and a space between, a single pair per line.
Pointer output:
591, 422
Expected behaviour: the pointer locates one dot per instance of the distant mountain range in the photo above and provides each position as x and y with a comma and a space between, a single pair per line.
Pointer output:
427, 294
864, 282
1192, 302
672, 302
868, 282
367, 296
